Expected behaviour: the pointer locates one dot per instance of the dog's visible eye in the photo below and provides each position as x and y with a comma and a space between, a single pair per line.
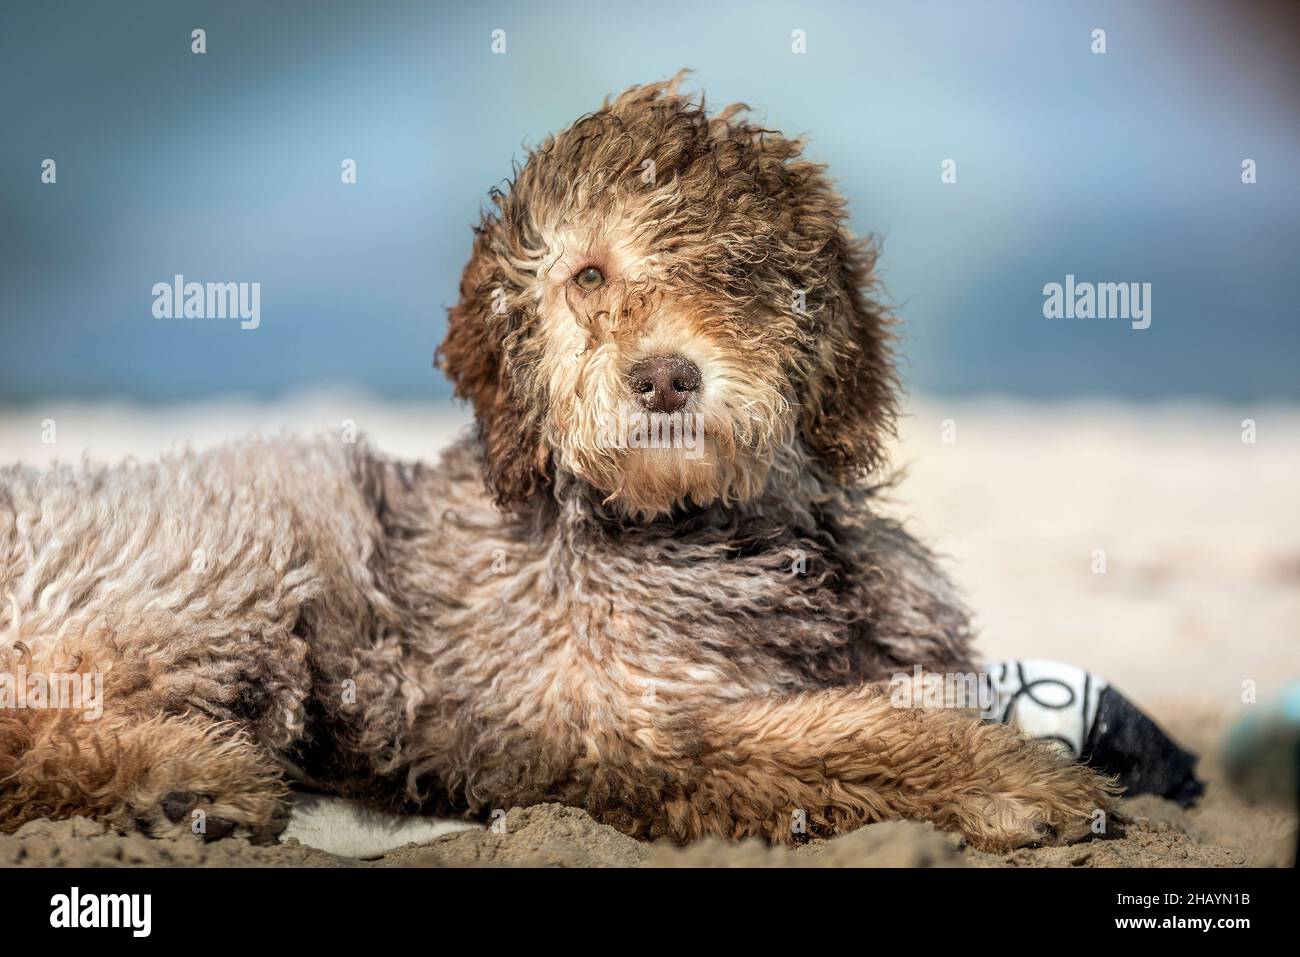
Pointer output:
589, 278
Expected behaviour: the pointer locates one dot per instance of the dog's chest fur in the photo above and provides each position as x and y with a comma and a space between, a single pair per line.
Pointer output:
557, 625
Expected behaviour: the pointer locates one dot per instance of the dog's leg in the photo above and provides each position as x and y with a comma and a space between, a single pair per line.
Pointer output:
826, 762
166, 775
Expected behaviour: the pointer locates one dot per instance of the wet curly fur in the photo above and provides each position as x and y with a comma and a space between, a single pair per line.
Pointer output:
681, 645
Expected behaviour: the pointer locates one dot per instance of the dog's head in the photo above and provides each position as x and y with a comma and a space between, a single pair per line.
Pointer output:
661, 304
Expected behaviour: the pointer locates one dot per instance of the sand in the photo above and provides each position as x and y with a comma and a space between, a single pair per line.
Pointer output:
1193, 615
1224, 830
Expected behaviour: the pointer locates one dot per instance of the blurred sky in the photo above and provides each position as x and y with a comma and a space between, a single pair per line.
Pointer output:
225, 167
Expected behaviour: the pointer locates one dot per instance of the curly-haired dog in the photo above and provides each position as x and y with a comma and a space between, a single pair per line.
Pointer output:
684, 641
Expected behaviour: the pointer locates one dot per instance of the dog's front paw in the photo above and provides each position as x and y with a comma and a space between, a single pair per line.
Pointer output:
1045, 802
209, 783
258, 817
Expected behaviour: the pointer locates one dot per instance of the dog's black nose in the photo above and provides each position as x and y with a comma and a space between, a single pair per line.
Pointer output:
664, 383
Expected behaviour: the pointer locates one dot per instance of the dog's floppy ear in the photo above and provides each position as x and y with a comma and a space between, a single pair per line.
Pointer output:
850, 404
473, 357
848, 394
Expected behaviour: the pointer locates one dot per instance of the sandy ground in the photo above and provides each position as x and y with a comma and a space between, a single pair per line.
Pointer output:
1146, 543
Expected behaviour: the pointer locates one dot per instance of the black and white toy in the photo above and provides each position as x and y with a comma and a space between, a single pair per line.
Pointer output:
1093, 723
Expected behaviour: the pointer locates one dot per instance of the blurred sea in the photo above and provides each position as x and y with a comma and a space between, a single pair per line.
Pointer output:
225, 166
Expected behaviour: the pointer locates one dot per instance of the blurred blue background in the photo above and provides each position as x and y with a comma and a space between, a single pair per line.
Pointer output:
226, 167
